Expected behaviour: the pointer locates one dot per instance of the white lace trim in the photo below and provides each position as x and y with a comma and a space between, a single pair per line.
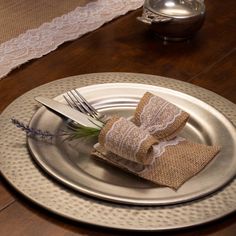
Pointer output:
138, 168
158, 114
159, 148
37, 42
125, 139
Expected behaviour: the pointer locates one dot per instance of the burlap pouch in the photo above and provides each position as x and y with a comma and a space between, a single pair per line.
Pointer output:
125, 139
159, 117
164, 161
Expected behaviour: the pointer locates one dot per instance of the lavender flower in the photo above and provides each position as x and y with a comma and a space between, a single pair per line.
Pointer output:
31, 131
75, 131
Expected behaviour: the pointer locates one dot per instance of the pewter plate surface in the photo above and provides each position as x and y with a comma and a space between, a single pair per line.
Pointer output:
20, 170
72, 165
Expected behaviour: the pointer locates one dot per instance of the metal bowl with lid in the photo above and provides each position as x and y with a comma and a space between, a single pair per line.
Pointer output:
174, 19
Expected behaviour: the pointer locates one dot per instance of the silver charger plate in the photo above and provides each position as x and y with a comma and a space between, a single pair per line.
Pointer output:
71, 163
20, 171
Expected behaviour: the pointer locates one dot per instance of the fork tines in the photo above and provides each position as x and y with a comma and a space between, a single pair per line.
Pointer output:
77, 101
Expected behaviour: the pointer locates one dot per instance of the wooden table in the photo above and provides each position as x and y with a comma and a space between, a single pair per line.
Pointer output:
125, 45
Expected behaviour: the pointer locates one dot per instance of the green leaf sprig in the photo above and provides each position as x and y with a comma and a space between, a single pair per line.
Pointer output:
78, 131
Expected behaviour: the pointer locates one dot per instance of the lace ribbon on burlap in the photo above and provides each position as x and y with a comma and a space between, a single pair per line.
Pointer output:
36, 42
148, 146
159, 117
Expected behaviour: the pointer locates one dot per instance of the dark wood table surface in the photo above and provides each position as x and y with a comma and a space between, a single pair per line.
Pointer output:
125, 45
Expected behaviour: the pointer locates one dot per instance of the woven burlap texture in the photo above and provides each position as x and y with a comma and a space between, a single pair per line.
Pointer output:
159, 117
20, 16
166, 161
125, 139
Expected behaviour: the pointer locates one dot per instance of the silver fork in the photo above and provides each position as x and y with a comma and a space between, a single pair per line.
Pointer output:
77, 101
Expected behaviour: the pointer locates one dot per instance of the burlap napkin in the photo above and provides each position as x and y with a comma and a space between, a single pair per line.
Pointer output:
159, 117
148, 146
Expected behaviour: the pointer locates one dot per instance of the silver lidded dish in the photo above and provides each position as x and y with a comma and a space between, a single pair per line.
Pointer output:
174, 19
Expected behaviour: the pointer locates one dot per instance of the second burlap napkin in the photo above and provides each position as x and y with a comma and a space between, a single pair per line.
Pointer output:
148, 146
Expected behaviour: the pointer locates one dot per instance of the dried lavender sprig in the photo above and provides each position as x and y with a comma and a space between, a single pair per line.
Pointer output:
31, 131
75, 131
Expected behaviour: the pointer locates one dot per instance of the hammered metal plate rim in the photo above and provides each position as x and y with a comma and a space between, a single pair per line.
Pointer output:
88, 210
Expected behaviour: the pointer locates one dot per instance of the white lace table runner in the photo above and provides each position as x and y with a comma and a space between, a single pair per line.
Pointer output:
35, 43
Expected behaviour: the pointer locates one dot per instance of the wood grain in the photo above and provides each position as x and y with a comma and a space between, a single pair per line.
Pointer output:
220, 77
6, 198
